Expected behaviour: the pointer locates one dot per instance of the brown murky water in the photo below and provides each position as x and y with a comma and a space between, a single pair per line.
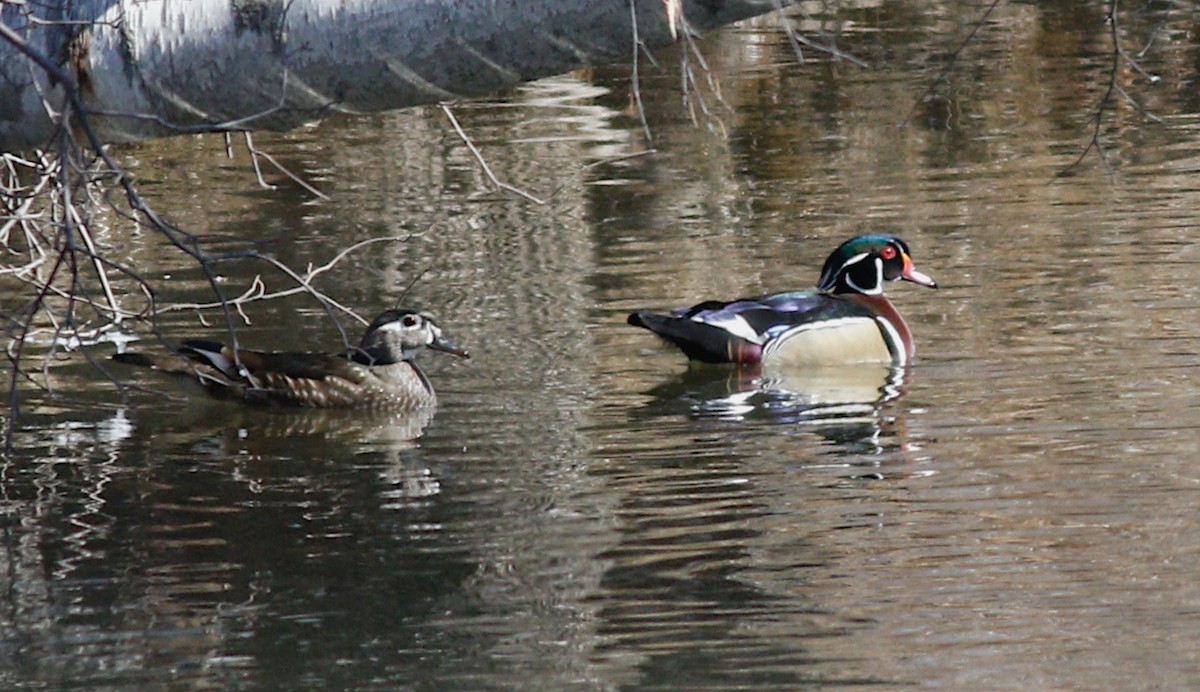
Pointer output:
1018, 509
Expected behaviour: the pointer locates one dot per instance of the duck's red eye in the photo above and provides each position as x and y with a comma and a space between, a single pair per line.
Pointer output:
888, 252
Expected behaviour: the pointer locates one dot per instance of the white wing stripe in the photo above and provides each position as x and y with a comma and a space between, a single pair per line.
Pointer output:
734, 325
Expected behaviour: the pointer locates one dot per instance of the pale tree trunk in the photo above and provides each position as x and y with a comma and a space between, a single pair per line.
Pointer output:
148, 68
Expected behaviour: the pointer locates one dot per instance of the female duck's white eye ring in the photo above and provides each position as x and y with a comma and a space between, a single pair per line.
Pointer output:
411, 320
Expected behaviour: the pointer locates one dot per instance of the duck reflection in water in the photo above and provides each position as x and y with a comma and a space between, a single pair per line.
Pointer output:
837, 396
850, 410
266, 443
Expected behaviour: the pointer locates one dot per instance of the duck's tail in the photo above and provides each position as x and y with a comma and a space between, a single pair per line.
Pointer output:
699, 341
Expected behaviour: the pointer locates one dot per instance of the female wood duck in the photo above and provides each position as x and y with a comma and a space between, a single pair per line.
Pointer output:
379, 373
845, 320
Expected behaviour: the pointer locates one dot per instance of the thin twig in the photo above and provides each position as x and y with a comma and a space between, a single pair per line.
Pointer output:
953, 61
1097, 118
262, 182
101, 273
255, 153
635, 79
479, 157
257, 290
796, 39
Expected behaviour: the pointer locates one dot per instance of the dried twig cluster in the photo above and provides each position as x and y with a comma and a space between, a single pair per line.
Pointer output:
63, 289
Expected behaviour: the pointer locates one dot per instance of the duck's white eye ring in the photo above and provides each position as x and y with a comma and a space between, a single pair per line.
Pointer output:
410, 320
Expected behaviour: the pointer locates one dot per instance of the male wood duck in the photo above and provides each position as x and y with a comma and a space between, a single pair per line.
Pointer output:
845, 320
379, 373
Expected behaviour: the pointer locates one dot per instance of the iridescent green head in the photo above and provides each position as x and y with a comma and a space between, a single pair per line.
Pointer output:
865, 263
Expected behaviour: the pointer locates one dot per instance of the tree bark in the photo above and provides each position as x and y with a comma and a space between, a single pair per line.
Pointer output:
149, 68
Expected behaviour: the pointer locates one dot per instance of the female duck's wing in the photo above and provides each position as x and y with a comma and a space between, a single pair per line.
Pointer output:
256, 364
306, 379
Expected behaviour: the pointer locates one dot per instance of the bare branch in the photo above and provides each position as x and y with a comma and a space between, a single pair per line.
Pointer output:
635, 78
258, 292
1097, 119
483, 164
256, 152
796, 40
953, 61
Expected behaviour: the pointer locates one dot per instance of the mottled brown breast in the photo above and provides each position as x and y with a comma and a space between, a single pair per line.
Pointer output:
400, 385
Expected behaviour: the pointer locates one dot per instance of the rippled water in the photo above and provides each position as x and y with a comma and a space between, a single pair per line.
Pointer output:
583, 511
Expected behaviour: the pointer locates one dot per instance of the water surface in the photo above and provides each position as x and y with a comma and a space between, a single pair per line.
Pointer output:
583, 511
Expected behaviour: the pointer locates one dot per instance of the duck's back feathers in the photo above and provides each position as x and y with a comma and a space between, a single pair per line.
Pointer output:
257, 364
